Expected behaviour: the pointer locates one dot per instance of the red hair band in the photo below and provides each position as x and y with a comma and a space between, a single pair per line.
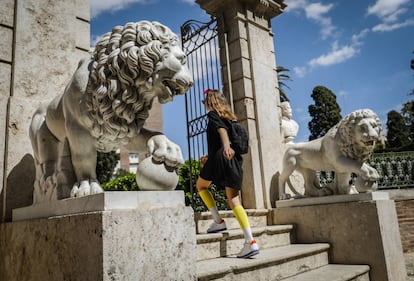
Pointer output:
207, 91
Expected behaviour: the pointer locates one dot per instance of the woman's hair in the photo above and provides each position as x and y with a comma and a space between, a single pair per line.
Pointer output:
217, 102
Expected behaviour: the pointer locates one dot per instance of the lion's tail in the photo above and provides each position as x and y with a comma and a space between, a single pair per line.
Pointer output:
38, 119
292, 188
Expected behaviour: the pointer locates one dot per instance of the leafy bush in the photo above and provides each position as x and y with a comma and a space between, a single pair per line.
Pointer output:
184, 175
198, 205
120, 173
124, 183
192, 198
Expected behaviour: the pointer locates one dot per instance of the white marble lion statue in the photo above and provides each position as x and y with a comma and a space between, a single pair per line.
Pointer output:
105, 105
344, 149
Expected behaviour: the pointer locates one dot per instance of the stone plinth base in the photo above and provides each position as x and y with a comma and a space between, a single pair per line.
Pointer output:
110, 200
148, 242
359, 232
334, 199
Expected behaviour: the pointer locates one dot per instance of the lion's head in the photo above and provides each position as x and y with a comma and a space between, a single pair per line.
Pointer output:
131, 66
357, 133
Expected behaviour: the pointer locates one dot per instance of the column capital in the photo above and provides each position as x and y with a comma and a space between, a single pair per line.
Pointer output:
266, 8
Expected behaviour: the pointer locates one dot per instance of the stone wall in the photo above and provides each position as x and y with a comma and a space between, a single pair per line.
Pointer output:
42, 42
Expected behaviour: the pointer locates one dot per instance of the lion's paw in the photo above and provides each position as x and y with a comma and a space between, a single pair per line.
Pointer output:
85, 188
164, 150
74, 191
96, 188
80, 190
369, 173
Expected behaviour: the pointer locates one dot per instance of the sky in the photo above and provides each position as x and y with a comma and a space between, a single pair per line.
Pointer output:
360, 50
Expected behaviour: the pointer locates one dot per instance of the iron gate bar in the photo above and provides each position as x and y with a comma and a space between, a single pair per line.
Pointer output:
200, 44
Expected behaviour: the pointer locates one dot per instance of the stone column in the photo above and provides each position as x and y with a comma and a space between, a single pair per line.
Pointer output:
245, 29
42, 44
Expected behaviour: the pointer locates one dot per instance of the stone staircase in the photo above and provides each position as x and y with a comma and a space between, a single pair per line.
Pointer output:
278, 259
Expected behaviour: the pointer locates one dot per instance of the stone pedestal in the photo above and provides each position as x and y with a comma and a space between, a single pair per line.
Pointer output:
111, 236
361, 229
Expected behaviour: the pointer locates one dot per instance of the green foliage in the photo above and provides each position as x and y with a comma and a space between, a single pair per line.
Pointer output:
407, 112
120, 173
325, 113
412, 63
408, 147
184, 175
400, 126
191, 195
380, 147
397, 133
105, 165
281, 78
124, 183
198, 205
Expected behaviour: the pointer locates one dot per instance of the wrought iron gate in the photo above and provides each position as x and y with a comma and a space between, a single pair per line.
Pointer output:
200, 44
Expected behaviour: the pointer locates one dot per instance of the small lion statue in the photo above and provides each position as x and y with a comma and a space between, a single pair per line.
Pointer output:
344, 149
105, 105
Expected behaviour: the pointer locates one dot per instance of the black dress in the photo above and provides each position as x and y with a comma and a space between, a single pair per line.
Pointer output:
221, 171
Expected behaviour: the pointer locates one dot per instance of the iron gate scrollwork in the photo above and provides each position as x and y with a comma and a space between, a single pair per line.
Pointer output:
200, 44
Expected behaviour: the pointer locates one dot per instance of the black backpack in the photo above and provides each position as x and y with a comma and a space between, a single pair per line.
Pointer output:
239, 138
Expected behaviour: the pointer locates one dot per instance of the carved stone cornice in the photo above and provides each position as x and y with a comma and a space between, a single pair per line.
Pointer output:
263, 8
266, 8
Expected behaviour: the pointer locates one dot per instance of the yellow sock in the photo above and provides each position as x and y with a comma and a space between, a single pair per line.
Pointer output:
207, 198
241, 216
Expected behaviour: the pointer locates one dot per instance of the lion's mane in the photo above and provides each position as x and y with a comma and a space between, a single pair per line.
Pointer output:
123, 64
345, 129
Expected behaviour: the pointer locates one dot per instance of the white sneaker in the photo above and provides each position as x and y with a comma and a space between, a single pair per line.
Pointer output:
216, 227
250, 249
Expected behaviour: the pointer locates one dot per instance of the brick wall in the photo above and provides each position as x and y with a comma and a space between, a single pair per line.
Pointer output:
405, 213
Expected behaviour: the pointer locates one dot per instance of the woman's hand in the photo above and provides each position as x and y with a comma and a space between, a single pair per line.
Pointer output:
228, 152
203, 159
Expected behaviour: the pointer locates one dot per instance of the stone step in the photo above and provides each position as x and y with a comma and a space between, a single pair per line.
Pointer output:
257, 218
334, 272
230, 242
269, 264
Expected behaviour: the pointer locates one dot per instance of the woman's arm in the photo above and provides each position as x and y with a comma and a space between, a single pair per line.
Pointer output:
227, 151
